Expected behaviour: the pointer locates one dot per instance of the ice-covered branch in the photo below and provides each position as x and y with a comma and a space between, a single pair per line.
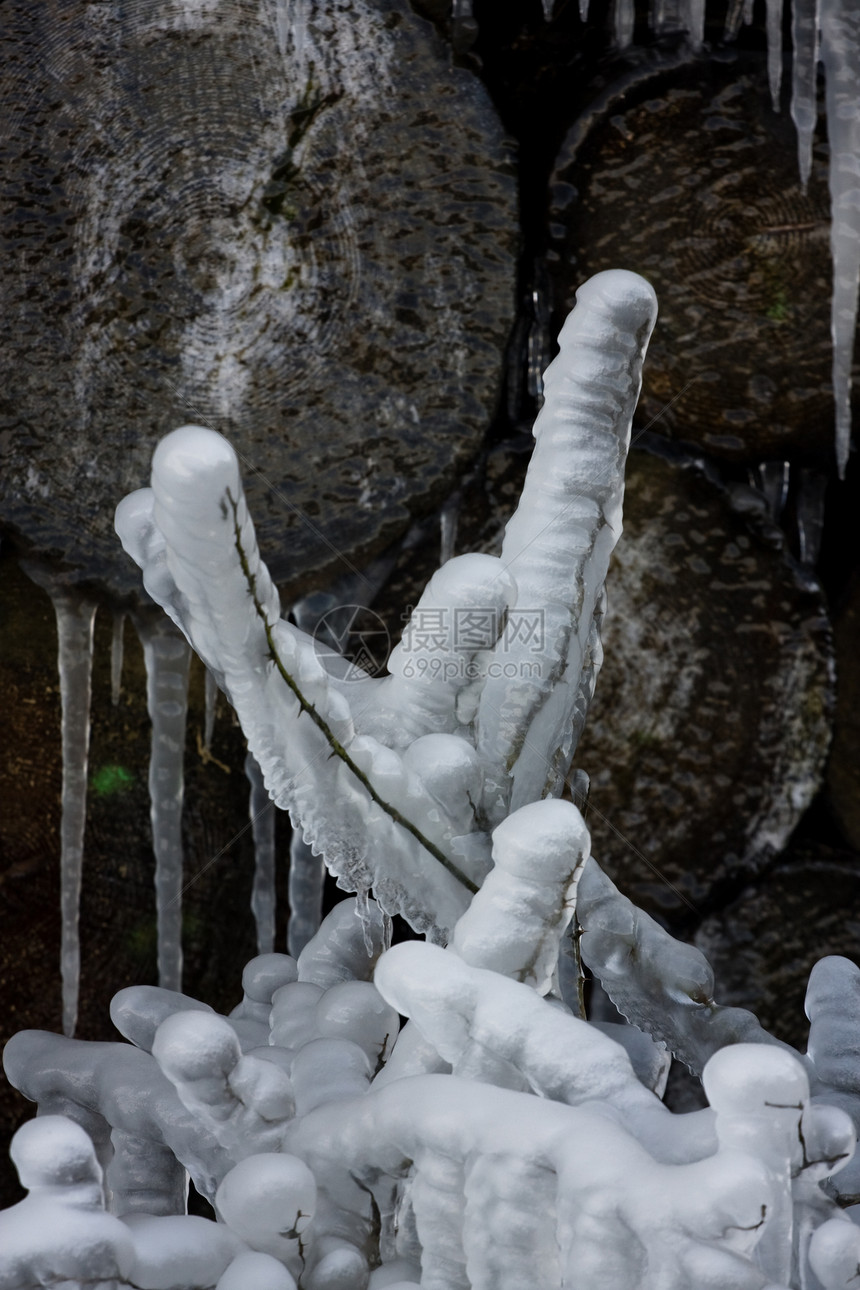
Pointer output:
195, 542
662, 985
558, 543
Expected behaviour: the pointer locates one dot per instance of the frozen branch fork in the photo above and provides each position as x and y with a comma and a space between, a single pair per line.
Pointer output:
499, 1139
477, 716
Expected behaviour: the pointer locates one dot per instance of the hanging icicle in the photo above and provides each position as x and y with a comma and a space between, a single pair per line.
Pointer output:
464, 28
772, 478
694, 21
262, 812
210, 701
804, 109
840, 53
774, 50
75, 620
448, 517
166, 656
624, 19
810, 514
116, 647
307, 874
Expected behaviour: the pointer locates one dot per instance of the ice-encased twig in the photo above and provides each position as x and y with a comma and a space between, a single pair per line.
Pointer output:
833, 1009
238, 1098
658, 983
558, 543
193, 537
761, 1099
473, 1015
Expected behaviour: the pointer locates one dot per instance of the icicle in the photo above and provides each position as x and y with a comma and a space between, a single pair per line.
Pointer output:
116, 657
583, 10
734, 17
262, 813
362, 911
448, 518
580, 787
464, 28
810, 514
307, 875
624, 19
539, 342
166, 656
75, 621
210, 700
774, 49
840, 52
804, 110
773, 479
548, 10
748, 12
694, 21
665, 15
557, 546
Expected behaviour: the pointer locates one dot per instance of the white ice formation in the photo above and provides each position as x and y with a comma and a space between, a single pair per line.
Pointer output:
396, 780
498, 1139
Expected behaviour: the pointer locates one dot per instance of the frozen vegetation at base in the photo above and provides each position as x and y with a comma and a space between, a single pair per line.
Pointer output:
498, 1138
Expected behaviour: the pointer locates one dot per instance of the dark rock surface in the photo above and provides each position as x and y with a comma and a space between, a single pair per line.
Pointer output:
710, 725
688, 176
303, 238
766, 942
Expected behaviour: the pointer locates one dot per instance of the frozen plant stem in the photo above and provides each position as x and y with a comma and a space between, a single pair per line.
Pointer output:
336, 746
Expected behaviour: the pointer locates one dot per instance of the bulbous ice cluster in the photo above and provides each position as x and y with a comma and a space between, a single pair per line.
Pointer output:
531, 1153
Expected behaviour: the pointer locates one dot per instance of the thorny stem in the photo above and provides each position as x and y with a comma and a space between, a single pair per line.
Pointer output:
580, 973
320, 722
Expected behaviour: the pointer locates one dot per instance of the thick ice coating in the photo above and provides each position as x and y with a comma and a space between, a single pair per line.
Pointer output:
558, 543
